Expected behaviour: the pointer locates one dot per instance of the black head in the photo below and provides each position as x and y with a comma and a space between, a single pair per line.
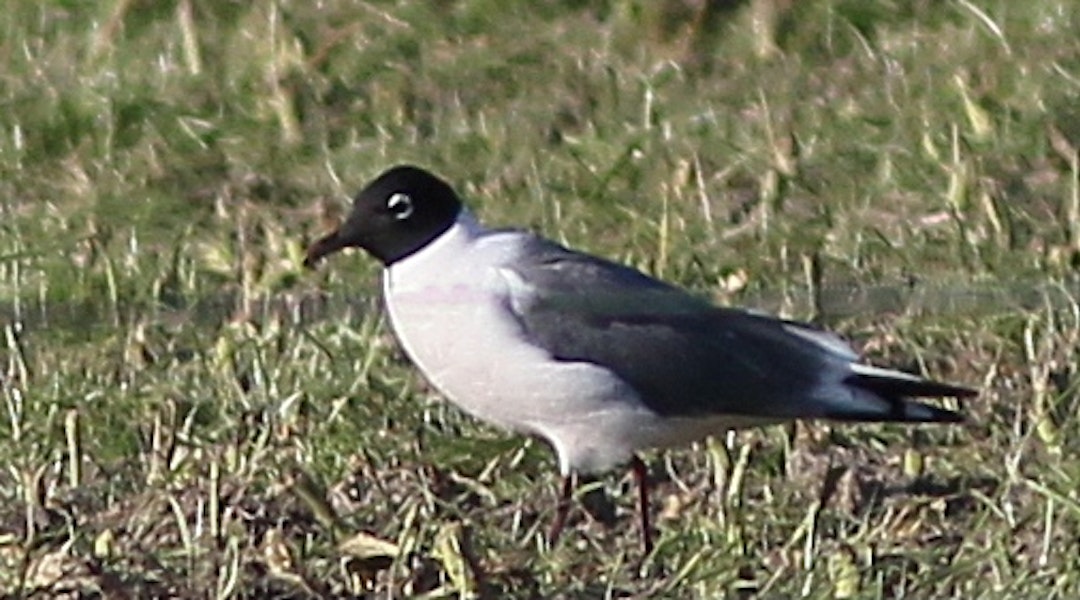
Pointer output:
395, 215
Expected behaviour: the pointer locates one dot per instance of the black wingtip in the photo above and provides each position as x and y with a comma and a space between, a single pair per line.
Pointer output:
907, 386
917, 412
898, 388
897, 410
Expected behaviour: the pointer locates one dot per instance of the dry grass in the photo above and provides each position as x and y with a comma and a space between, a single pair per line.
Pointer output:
189, 414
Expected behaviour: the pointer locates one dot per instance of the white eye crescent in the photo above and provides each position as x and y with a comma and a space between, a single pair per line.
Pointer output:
400, 205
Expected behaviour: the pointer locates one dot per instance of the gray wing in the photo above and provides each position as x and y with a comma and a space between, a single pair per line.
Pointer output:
686, 357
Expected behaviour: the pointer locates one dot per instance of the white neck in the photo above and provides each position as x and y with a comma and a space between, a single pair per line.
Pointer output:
439, 252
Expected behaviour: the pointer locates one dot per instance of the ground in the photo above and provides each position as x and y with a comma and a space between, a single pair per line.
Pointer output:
189, 413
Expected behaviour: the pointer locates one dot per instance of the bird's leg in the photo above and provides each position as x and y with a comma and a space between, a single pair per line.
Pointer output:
561, 509
641, 475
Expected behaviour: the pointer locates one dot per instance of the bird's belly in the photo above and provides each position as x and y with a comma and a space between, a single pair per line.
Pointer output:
474, 352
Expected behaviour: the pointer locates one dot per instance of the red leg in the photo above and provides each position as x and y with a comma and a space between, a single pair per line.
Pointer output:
641, 474
561, 509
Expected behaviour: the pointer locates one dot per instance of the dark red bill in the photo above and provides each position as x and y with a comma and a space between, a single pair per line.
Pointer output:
325, 245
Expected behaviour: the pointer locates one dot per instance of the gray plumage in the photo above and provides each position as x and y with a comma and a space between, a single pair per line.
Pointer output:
686, 357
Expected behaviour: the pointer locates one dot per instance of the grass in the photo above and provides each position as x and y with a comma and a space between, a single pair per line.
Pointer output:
188, 413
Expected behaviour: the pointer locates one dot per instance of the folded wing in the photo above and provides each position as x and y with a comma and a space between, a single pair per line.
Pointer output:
686, 357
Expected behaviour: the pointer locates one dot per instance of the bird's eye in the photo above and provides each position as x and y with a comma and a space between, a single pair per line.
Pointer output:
400, 206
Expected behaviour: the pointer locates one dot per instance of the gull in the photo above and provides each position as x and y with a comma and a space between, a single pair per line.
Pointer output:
597, 358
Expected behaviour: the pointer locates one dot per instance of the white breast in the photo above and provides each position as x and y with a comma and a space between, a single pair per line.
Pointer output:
449, 307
